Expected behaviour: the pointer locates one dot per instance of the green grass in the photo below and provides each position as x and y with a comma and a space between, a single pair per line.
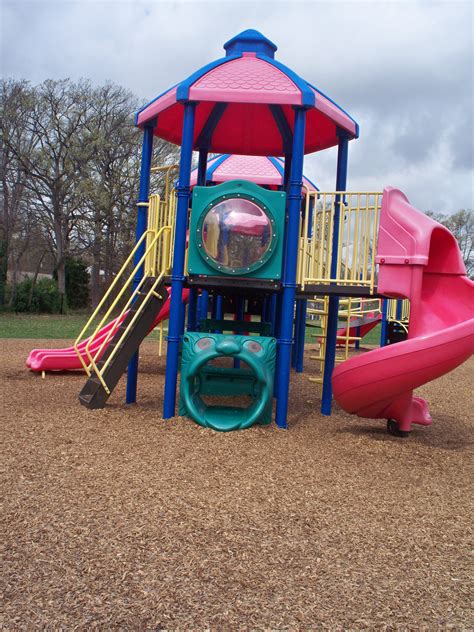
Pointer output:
41, 325
68, 327
372, 338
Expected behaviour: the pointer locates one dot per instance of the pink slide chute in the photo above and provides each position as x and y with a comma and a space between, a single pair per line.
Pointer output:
420, 260
67, 359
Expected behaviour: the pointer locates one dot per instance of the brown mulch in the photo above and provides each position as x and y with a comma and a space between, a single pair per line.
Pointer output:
117, 519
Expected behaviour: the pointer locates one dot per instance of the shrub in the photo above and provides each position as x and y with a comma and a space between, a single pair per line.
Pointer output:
44, 299
77, 283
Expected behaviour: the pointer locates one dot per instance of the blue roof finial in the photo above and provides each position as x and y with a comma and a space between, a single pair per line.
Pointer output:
250, 41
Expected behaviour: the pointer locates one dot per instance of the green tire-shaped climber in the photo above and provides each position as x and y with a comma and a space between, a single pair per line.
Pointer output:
212, 346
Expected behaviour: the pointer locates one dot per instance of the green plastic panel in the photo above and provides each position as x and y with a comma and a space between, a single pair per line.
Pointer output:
269, 263
199, 378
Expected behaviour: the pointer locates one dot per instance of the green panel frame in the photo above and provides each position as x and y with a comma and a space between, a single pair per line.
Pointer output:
273, 203
199, 378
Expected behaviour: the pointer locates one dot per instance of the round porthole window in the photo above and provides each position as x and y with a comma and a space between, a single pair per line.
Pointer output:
236, 235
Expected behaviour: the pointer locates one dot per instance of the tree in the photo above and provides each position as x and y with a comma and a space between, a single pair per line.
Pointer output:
461, 224
55, 162
17, 102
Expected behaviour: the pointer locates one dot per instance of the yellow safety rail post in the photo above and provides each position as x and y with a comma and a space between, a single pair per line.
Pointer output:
392, 316
168, 170
358, 230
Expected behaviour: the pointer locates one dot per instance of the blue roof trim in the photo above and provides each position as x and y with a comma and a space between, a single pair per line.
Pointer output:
307, 95
182, 93
282, 162
338, 106
279, 165
215, 164
138, 112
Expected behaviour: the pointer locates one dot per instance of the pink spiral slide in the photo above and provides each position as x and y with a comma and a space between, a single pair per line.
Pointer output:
67, 359
420, 260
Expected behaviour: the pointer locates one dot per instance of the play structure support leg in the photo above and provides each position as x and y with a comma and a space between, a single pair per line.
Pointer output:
177, 275
399, 309
289, 274
192, 309
384, 324
333, 309
202, 168
219, 307
239, 315
301, 336
204, 306
273, 312
296, 333
357, 342
142, 219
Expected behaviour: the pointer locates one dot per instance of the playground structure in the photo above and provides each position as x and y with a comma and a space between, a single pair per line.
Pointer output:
263, 249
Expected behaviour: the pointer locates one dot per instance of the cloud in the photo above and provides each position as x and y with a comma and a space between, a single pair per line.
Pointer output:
403, 69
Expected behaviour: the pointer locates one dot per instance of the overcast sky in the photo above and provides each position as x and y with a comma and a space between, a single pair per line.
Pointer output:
402, 69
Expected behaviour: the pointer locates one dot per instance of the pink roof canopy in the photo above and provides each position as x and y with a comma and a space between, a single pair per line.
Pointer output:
244, 104
263, 170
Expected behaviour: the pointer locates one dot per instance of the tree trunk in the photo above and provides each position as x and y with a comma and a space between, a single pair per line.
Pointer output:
35, 278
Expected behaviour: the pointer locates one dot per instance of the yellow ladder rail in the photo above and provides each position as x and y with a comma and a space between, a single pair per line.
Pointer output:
100, 372
131, 299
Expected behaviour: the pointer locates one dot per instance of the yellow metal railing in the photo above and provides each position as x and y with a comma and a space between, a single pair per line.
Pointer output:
350, 309
156, 262
357, 239
399, 316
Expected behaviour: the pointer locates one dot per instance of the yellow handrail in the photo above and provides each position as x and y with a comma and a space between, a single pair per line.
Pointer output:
156, 260
160, 268
357, 238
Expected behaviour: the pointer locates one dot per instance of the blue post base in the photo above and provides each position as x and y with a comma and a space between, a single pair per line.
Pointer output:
301, 337
132, 379
330, 360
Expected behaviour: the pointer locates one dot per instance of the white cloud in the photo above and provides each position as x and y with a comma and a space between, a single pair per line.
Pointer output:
403, 69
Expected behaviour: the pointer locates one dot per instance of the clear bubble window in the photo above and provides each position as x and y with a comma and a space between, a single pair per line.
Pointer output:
236, 235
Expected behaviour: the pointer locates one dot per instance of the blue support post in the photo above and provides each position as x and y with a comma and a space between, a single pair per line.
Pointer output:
357, 342
194, 302
219, 307
399, 309
384, 324
289, 275
273, 312
204, 305
301, 337
333, 310
177, 275
202, 168
295, 334
240, 314
192, 309
142, 220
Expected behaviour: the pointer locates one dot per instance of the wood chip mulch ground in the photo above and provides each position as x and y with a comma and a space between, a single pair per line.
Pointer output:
116, 519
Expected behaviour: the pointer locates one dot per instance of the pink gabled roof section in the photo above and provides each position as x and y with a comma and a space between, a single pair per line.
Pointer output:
259, 169
259, 94
246, 80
